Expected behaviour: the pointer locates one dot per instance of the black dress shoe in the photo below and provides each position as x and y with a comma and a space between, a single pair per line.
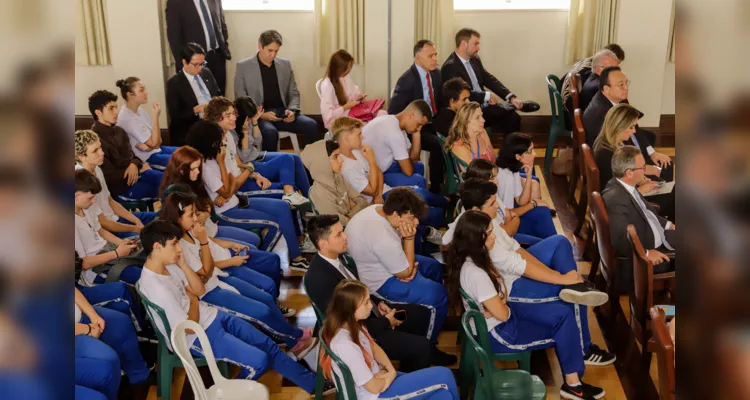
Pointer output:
529, 106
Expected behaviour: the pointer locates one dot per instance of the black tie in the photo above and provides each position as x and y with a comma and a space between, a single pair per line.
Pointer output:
209, 26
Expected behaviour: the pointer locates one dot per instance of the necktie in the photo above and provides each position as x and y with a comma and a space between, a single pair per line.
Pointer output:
472, 76
635, 141
432, 94
209, 26
652, 220
202, 87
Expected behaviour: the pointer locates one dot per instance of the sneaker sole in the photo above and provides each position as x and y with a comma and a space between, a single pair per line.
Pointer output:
327, 392
298, 269
600, 363
591, 299
307, 350
566, 395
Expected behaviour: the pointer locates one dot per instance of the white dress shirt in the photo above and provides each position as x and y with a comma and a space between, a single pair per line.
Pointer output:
339, 267
202, 99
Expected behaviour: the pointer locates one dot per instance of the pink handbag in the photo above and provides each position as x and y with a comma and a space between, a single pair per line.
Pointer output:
366, 110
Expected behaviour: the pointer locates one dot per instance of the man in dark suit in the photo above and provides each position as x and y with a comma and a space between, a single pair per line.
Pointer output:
601, 60
626, 206
202, 22
405, 341
613, 89
188, 92
499, 112
422, 81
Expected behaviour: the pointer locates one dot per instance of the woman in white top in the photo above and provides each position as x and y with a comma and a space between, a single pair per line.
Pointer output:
373, 374
338, 93
144, 133
513, 327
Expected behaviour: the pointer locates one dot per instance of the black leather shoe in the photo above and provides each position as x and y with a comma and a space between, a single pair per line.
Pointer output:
529, 106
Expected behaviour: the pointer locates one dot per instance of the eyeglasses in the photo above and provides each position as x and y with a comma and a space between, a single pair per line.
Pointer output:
199, 65
636, 169
623, 85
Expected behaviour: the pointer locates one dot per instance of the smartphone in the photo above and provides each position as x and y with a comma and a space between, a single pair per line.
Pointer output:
242, 252
400, 315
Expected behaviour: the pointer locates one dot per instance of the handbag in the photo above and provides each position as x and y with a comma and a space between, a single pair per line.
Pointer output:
563, 164
366, 110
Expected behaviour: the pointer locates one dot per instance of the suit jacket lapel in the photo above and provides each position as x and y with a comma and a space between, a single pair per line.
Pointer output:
419, 90
283, 80
633, 200
187, 89
253, 75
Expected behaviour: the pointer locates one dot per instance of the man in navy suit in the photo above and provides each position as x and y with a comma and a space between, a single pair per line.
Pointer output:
422, 81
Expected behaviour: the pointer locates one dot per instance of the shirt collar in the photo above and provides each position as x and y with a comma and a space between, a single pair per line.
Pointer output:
461, 58
422, 71
100, 127
631, 189
335, 262
190, 77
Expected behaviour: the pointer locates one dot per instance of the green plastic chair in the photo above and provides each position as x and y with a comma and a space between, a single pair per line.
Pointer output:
165, 358
523, 358
320, 316
557, 127
345, 387
452, 174
480, 375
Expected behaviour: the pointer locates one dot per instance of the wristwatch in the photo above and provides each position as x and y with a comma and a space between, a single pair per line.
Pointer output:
533, 203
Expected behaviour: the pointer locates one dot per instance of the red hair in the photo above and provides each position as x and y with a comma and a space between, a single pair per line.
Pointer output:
178, 171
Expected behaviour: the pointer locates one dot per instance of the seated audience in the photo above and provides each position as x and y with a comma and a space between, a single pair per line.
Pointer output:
626, 206
613, 89
270, 81
105, 343
117, 296
338, 93
228, 284
248, 113
113, 217
144, 133
330, 192
247, 176
170, 283
464, 63
467, 139
95, 245
372, 371
513, 326
422, 81
188, 92
272, 215
127, 177
389, 265
402, 340
583, 68
518, 191
546, 270
396, 154
360, 169
602, 59
456, 93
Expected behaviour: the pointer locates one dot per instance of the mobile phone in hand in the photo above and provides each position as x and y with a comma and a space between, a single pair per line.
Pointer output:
400, 315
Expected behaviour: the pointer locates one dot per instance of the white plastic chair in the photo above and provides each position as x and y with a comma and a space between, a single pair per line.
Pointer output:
224, 389
292, 137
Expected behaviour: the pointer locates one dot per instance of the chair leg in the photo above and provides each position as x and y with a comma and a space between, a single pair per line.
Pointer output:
524, 362
548, 154
573, 185
164, 383
295, 143
319, 381
581, 212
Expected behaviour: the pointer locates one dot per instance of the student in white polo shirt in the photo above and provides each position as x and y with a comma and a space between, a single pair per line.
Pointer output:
94, 244
170, 283
396, 155
371, 369
114, 217
143, 132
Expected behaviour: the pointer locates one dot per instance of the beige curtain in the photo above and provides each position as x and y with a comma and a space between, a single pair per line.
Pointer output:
167, 52
92, 45
340, 24
433, 20
592, 24
670, 50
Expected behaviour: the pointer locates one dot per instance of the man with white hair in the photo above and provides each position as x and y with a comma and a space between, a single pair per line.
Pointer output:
602, 59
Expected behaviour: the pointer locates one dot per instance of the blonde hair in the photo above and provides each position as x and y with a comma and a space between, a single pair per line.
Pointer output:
618, 119
83, 139
460, 128
344, 124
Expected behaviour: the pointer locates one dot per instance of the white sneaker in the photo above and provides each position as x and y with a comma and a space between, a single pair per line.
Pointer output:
295, 199
307, 245
435, 237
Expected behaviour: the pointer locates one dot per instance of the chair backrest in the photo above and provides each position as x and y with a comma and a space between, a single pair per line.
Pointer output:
182, 348
575, 89
555, 100
317, 87
472, 304
591, 170
603, 242
642, 298
664, 353
579, 133
345, 382
158, 318
452, 174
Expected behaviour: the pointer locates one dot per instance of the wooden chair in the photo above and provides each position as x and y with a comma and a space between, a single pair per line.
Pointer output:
592, 185
642, 297
557, 127
579, 138
664, 354
575, 90
608, 260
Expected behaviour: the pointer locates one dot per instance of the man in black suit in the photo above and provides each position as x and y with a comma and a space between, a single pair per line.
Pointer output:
626, 206
465, 64
405, 341
601, 60
422, 81
613, 89
188, 92
202, 22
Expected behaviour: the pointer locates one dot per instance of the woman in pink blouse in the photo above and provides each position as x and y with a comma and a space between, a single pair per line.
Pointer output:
338, 93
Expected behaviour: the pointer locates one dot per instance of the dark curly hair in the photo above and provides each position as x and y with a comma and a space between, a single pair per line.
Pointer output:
515, 144
206, 137
403, 200
216, 107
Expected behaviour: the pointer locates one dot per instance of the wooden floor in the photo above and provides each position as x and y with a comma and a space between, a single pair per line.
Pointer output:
622, 380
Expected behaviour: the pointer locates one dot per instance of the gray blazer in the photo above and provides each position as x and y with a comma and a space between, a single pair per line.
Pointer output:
248, 82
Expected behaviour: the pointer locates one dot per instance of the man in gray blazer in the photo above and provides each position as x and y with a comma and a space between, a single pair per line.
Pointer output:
269, 81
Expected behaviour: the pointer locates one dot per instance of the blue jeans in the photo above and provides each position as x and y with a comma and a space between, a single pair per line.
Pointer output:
426, 289
281, 169
146, 187
268, 265
129, 275
435, 216
238, 235
556, 253
161, 159
115, 296
300, 179
269, 318
119, 334
302, 124
438, 383
97, 367
144, 216
239, 343
256, 279
537, 222
271, 214
394, 177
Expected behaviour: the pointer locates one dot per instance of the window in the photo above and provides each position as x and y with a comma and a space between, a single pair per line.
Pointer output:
511, 4
255, 5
